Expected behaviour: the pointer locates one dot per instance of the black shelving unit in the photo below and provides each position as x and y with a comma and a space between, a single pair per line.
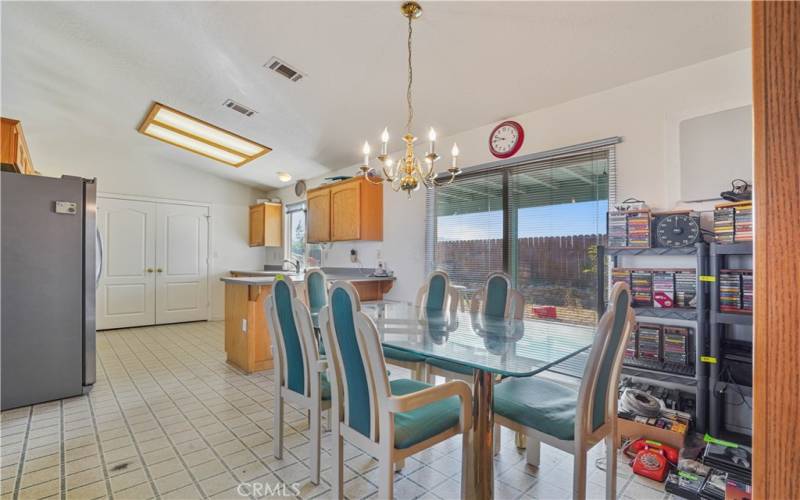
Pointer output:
718, 321
699, 382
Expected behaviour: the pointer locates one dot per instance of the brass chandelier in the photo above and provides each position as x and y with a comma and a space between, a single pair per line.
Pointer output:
408, 172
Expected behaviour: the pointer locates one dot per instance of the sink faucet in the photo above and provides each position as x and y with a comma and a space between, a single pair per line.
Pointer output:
295, 263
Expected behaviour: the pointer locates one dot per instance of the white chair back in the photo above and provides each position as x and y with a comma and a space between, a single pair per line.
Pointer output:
351, 373
498, 298
597, 398
296, 352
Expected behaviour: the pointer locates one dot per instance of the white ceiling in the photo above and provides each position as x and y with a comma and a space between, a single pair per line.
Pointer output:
82, 75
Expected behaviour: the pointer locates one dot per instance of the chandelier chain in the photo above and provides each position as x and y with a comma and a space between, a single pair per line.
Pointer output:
410, 80
408, 172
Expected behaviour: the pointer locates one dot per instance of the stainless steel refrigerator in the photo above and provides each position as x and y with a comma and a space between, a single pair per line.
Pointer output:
50, 266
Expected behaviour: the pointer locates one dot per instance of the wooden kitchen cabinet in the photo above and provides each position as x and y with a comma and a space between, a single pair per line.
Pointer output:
14, 154
349, 210
318, 216
266, 225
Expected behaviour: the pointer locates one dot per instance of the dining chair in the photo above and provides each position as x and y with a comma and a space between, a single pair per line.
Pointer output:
437, 294
570, 420
497, 298
315, 290
316, 293
390, 420
299, 371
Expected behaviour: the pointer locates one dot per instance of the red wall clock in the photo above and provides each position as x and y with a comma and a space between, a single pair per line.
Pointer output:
506, 139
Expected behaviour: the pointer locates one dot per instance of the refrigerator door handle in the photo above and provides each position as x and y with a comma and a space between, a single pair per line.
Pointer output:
99, 266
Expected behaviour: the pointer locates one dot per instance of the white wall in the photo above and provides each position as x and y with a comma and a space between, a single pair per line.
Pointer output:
141, 176
646, 113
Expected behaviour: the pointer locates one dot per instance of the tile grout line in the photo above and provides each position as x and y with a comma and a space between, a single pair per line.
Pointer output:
99, 446
275, 471
18, 480
216, 454
62, 455
158, 421
127, 426
244, 394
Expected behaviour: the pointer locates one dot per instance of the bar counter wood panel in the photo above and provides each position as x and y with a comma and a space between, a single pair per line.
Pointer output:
250, 349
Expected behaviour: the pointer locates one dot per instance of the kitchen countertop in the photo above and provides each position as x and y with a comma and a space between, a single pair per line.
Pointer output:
259, 278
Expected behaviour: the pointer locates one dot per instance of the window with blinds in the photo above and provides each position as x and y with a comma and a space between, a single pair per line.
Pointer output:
540, 220
469, 220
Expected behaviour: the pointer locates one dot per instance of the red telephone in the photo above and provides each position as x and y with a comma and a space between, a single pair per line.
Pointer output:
651, 459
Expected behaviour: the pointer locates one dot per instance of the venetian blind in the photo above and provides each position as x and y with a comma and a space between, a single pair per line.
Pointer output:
540, 219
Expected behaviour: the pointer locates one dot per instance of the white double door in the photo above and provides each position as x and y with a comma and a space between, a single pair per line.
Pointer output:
155, 263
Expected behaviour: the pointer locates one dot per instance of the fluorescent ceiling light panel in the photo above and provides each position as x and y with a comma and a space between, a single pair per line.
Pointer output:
179, 129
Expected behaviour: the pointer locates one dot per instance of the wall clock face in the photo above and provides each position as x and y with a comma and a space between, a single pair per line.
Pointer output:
506, 139
300, 188
675, 231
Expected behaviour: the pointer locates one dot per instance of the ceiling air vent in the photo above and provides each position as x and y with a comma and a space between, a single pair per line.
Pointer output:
284, 69
238, 107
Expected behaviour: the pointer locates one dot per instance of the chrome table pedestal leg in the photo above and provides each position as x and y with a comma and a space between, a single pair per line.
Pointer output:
477, 469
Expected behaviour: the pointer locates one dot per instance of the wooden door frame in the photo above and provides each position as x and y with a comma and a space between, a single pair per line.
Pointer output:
210, 245
776, 388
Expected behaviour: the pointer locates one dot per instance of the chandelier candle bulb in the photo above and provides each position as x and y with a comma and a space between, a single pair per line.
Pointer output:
432, 138
385, 141
365, 150
454, 153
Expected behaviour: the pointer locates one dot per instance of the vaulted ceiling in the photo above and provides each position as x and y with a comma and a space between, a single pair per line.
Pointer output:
82, 75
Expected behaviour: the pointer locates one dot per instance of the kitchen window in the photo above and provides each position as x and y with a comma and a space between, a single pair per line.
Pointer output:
539, 218
296, 248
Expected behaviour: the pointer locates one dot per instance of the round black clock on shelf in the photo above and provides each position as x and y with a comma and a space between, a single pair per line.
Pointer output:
676, 230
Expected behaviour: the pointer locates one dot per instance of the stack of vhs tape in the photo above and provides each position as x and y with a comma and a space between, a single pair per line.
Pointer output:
617, 229
714, 486
642, 288
733, 222
630, 346
743, 223
747, 291
730, 290
685, 288
658, 287
649, 341
639, 229
723, 223
676, 345
735, 460
663, 289
620, 274
684, 484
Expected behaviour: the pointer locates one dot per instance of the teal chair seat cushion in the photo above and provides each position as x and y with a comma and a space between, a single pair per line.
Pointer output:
415, 426
450, 366
539, 404
401, 355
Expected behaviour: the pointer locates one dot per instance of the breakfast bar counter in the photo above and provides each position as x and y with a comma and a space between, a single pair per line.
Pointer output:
248, 344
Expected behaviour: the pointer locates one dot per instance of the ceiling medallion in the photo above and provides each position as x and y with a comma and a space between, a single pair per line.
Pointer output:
408, 172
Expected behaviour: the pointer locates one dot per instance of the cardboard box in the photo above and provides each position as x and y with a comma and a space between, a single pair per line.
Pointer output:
628, 429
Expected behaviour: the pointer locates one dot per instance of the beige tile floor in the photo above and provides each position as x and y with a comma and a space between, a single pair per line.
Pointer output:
168, 418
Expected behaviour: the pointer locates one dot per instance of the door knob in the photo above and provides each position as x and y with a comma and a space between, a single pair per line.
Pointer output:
149, 269
159, 270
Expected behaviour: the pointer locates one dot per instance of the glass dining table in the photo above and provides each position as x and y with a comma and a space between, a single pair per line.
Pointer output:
491, 347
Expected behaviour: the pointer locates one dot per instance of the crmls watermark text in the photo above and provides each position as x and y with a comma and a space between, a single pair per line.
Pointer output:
268, 489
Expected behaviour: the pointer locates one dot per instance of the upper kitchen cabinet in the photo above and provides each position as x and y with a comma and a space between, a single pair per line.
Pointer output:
14, 154
346, 211
318, 222
266, 225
